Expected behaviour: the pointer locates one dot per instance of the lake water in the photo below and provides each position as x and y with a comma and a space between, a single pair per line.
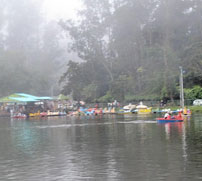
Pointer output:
100, 148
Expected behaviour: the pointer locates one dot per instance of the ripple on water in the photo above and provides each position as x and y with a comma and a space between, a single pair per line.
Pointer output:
114, 148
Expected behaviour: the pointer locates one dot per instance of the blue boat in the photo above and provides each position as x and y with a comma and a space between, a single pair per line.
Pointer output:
163, 120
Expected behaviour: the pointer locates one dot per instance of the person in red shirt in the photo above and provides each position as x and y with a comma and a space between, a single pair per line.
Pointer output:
167, 115
179, 116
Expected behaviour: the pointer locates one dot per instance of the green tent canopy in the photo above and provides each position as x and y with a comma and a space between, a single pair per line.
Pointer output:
21, 97
7, 99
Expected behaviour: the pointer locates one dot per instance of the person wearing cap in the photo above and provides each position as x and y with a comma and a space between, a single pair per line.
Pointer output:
167, 115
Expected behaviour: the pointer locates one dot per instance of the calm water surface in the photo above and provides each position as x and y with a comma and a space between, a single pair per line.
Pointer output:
100, 148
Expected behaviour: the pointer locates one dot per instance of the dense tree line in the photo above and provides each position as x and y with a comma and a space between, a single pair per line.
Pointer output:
132, 49
30, 51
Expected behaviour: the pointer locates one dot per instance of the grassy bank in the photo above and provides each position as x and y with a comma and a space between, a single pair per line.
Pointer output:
194, 109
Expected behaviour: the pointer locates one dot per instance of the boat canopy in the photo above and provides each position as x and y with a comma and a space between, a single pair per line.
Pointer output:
141, 106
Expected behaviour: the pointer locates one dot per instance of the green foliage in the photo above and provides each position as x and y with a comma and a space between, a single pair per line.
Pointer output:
132, 50
132, 98
89, 92
196, 109
106, 98
84, 80
192, 62
194, 93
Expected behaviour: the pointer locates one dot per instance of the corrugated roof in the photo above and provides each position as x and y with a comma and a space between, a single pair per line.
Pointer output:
27, 95
22, 97
44, 98
8, 99
34, 97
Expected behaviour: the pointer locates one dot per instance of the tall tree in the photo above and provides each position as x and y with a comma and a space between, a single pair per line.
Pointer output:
138, 43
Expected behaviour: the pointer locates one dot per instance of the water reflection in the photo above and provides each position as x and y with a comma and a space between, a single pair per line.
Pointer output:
100, 148
175, 127
24, 138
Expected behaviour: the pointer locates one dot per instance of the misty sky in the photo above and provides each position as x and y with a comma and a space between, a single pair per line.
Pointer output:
57, 9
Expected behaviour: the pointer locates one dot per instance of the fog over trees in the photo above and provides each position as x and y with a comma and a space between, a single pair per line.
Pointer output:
31, 51
133, 49
130, 50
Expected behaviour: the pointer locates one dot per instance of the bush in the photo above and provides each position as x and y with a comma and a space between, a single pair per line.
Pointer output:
194, 93
133, 98
106, 98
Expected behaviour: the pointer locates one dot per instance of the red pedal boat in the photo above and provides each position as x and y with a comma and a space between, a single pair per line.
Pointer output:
19, 116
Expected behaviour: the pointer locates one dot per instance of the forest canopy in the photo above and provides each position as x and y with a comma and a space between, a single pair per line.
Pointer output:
126, 50
132, 49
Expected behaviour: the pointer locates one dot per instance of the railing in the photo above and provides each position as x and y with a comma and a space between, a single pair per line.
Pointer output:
153, 103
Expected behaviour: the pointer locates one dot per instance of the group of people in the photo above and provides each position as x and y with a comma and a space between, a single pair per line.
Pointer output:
168, 115
114, 104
